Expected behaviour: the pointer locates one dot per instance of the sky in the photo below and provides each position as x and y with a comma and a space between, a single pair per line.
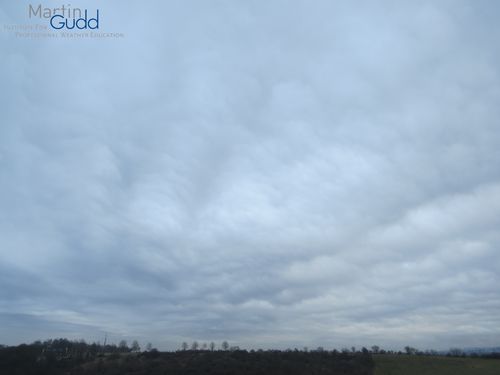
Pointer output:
276, 174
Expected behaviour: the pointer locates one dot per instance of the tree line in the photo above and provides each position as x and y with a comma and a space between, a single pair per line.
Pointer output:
62, 356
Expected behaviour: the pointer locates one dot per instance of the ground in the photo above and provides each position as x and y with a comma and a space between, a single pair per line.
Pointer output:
433, 365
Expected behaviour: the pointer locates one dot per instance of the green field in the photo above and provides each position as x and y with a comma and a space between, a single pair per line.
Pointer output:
423, 365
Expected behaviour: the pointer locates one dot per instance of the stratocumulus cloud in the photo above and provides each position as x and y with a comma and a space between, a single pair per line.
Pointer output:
274, 174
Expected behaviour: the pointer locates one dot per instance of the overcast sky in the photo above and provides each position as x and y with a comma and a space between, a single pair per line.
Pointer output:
271, 173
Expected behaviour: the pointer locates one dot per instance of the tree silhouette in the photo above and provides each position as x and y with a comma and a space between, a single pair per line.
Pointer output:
409, 350
122, 346
135, 346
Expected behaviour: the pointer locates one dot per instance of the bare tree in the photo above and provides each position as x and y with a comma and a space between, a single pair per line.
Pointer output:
225, 345
123, 346
194, 345
185, 346
410, 351
212, 346
456, 352
135, 346
375, 349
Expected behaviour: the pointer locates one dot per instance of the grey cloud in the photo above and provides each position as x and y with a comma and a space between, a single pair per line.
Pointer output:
278, 174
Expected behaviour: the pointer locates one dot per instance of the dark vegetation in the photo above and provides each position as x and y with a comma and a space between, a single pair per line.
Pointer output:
237, 362
64, 357
78, 358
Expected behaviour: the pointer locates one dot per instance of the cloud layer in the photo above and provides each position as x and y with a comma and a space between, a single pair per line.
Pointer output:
274, 174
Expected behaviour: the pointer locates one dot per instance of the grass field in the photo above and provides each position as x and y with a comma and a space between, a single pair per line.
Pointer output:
423, 365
